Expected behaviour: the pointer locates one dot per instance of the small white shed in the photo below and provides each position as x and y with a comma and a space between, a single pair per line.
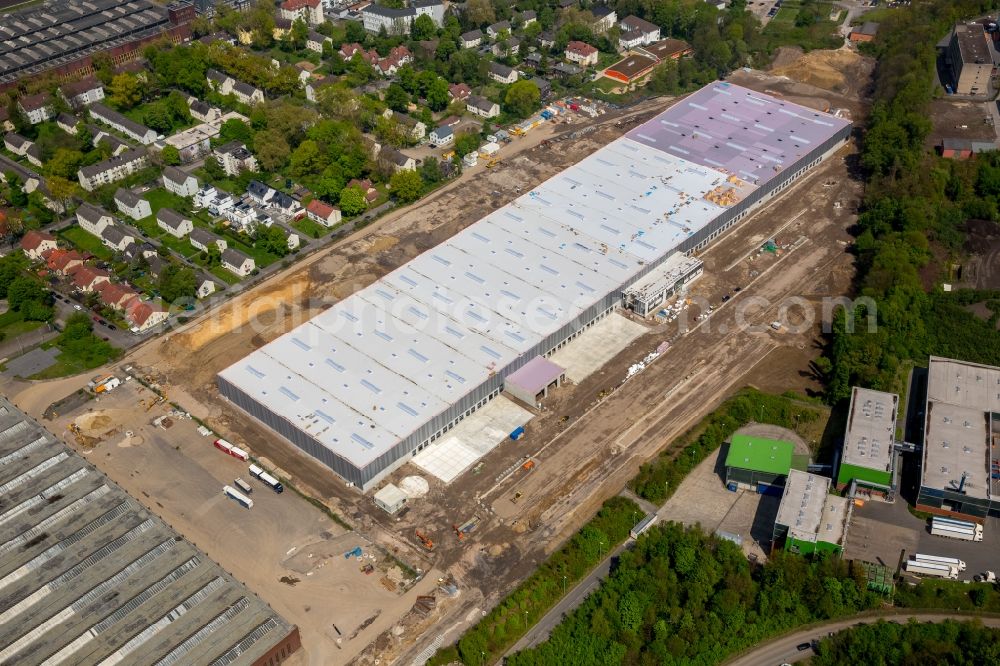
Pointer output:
390, 499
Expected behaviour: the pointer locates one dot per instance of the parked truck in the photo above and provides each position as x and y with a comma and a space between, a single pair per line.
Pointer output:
956, 529
266, 479
234, 451
931, 569
938, 559
238, 496
243, 486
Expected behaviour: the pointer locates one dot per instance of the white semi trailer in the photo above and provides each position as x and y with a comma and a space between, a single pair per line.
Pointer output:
956, 529
931, 569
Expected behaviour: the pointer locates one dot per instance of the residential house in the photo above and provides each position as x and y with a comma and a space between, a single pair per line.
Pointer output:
136, 251
310, 11
459, 91
565, 69
510, 47
35, 243
247, 94
582, 53
494, 30
227, 85
173, 222
67, 123
155, 264
544, 87
116, 237
293, 241
179, 182
283, 203
450, 121
323, 213
100, 137
84, 92
604, 18
502, 73
415, 129
281, 27
16, 143
637, 32
234, 158
236, 262
315, 41
566, 4
206, 288
92, 219
112, 169
365, 185
30, 180
441, 136
123, 124
5, 123
62, 262
203, 111
398, 56
131, 204
144, 315
527, 17
397, 160
116, 295
204, 196
34, 154
471, 39
313, 86
36, 108
219, 82
547, 40
202, 240
260, 193
89, 278
482, 107
347, 52
395, 21
243, 216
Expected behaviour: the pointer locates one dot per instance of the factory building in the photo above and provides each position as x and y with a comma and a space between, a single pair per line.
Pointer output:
970, 58
89, 576
759, 464
960, 474
385, 372
868, 458
64, 35
810, 519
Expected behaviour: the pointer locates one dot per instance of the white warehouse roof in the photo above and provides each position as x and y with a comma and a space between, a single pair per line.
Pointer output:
377, 366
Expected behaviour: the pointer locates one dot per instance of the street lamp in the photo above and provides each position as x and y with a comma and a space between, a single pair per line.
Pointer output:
564, 585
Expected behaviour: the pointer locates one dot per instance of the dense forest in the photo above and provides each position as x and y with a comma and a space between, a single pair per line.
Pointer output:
683, 597
913, 219
912, 644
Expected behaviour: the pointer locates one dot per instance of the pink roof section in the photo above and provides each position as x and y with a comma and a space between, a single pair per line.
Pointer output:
535, 375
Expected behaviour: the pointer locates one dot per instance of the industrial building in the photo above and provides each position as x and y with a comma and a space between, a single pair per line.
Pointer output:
64, 35
89, 576
388, 370
868, 456
970, 58
810, 519
960, 474
760, 464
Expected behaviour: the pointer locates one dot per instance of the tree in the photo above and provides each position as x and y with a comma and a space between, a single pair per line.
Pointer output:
158, 117
10, 269
480, 12
465, 143
355, 32
272, 239
396, 98
235, 129
306, 159
63, 189
126, 90
18, 197
170, 155
177, 282
352, 201
64, 163
522, 98
25, 290
423, 28
272, 150
406, 185
437, 94
430, 171
299, 34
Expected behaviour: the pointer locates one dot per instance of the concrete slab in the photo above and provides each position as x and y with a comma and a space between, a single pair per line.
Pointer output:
596, 346
31, 363
471, 439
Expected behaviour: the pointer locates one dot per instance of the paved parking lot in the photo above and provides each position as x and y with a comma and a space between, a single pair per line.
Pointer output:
879, 532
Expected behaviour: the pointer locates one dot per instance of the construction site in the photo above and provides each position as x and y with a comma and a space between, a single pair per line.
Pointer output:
465, 527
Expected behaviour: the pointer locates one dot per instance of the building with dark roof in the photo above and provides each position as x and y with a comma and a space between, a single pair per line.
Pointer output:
89, 575
970, 58
64, 35
123, 124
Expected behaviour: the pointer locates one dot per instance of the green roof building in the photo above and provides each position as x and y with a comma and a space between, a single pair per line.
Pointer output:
868, 457
810, 519
759, 463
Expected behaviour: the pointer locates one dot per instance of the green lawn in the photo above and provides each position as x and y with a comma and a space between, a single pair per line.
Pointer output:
310, 228
785, 15
159, 198
86, 242
12, 324
224, 275
68, 363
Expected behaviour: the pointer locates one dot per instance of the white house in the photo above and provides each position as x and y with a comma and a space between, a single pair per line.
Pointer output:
441, 136
581, 53
202, 240
36, 243
494, 30
179, 182
113, 169
604, 18
637, 32
482, 107
173, 222
36, 108
203, 111
131, 204
374, 17
237, 262
206, 288
116, 237
397, 160
16, 143
471, 39
84, 92
323, 213
310, 11
92, 219
315, 41
502, 73
415, 129
234, 158
123, 124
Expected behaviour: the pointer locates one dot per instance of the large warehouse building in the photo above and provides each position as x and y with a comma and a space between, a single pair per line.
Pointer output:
89, 576
868, 455
810, 519
387, 371
961, 454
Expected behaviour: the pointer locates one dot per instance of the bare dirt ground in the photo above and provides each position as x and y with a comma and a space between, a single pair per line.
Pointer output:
960, 119
981, 269
842, 71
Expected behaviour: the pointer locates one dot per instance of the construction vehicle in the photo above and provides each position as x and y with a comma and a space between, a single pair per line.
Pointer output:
528, 466
425, 540
492, 163
988, 577
466, 528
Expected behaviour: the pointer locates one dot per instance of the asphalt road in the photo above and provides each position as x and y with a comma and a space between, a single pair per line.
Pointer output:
784, 650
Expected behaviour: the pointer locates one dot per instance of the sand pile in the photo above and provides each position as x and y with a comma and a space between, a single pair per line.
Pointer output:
824, 69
